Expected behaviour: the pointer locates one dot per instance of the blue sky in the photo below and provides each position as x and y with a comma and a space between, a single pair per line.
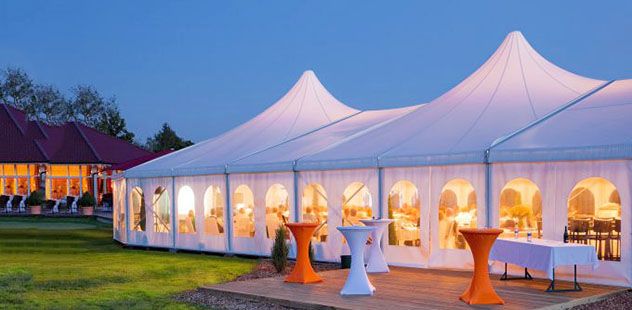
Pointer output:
206, 67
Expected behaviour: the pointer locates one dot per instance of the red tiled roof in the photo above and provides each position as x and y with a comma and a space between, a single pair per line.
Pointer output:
23, 140
137, 161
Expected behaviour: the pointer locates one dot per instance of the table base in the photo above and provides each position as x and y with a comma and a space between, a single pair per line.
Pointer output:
505, 276
576, 286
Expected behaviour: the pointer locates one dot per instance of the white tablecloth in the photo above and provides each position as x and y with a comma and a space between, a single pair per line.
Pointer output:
543, 254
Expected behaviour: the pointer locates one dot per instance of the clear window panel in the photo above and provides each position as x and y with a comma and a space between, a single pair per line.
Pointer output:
521, 207
457, 209
9, 169
21, 170
213, 211
75, 187
59, 188
356, 204
594, 217
73, 170
314, 208
9, 186
58, 170
404, 208
23, 187
277, 209
243, 212
162, 210
137, 203
186, 210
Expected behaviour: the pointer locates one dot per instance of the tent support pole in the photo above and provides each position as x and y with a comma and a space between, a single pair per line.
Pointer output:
174, 216
229, 218
488, 190
296, 206
127, 214
380, 191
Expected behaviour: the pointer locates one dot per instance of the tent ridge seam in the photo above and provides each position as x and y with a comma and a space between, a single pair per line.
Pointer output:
550, 115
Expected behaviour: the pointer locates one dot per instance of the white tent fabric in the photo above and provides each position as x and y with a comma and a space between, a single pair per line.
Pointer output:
517, 116
556, 181
591, 129
513, 88
119, 211
283, 156
306, 107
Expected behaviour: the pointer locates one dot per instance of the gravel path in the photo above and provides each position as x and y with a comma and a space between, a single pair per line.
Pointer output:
617, 302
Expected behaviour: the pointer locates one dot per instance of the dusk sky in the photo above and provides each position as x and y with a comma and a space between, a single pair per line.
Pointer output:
206, 67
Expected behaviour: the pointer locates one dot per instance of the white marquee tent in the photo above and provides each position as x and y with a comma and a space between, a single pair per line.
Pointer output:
519, 143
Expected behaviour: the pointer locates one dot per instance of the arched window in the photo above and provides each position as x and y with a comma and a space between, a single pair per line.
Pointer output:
213, 211
277, 209
137, 202
521, 207
594, 217
403, 207
244, 212
356, 204
186, 211
457, 209
162, 210
314, 206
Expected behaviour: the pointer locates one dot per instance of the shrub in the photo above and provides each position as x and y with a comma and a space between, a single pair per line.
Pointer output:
87, 200
280, 250
35, 199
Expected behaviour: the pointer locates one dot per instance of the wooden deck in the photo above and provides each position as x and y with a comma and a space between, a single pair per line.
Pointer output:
408, 288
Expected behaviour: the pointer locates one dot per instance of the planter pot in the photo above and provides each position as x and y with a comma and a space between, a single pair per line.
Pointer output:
36, 209
87, 210
345, 261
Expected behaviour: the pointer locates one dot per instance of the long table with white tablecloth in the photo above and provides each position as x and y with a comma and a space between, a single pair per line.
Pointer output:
543, 255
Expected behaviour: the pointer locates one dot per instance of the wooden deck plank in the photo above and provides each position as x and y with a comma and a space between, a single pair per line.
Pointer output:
407, 288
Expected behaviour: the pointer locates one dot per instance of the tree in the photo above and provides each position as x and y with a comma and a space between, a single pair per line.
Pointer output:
49, 104
87, 106
112, 123
16, 89
166, 139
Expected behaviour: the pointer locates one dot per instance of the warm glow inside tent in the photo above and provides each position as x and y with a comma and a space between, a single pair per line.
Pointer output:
519, 144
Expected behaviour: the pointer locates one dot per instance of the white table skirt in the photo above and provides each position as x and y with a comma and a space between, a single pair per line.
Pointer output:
543, 254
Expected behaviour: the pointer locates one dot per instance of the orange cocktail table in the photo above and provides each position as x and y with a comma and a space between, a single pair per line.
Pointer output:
303, 271
480, 291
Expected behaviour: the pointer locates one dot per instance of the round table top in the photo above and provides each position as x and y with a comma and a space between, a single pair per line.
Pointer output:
481, 231
355, 228
299, 225
376, 221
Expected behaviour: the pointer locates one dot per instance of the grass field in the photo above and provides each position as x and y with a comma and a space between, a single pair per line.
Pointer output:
54, 263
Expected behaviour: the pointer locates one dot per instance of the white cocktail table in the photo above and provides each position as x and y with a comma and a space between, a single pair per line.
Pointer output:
357, 280
377, 262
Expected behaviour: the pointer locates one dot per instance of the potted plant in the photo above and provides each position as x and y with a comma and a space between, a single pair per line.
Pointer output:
35, 201
87, 202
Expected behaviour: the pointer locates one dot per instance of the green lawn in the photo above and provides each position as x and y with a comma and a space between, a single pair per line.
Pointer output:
52, 263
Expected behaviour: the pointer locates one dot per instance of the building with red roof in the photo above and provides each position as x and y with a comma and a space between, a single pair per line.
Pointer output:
64, 160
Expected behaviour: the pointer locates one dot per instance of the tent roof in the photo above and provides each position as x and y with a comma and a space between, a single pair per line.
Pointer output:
306, 107
513, 88
283, 156
597, 127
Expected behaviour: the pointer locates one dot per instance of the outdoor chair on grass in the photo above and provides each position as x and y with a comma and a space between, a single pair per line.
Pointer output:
17, 204
107, 201
4, 200
71, 204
